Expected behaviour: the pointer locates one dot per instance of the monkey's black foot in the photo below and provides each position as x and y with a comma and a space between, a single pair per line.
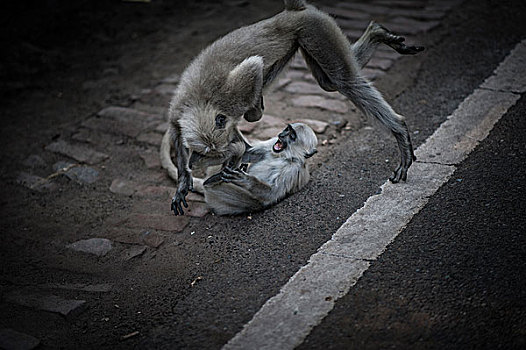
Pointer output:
176, 206
407, 50
401, 172
397, 43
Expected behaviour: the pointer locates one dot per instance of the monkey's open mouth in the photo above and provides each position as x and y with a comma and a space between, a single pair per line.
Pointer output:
279, 146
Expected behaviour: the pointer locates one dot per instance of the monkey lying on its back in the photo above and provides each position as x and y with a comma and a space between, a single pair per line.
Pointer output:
276, 168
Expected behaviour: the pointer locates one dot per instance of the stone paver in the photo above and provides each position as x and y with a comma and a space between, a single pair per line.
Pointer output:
96, 246
152, 239
150, 191
122, 186
51, 303
151, 158
307, 88
80, 153
317, 126
133, 252
321, 103
80, 174
122, 121
267, 133
35, 183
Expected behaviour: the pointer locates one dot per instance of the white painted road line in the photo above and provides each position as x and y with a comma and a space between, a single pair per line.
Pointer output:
286, 319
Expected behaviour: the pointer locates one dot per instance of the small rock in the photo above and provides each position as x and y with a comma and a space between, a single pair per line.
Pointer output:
96, 246
34, 161
11, 340
124, 187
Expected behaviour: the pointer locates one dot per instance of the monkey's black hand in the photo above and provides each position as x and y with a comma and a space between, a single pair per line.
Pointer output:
214, 179
185, 184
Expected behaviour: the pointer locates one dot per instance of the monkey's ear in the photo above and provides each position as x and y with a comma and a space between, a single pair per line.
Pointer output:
245, 83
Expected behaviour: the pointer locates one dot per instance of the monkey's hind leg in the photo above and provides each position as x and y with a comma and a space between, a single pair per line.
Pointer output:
330, 51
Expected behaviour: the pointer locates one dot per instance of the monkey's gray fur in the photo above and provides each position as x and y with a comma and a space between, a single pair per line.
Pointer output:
227, 79
276, 168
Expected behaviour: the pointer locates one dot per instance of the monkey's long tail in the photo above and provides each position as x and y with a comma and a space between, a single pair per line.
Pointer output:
295, 5
166, 162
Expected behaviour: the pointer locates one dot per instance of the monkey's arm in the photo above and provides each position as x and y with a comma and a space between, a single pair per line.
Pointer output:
184, 183
235, 192
258, 189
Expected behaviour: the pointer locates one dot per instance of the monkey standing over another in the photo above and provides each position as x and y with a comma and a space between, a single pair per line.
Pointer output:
276, 168
227, 79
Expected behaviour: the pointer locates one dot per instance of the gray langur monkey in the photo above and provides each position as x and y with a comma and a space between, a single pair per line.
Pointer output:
227, 79
270, 171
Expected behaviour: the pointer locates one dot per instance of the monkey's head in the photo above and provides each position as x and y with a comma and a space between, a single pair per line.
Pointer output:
297, 140
210, 111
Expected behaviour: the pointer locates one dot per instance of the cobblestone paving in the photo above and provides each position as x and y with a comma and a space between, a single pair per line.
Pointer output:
135, 130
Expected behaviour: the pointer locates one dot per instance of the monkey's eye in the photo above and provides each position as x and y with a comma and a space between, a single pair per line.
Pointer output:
292, 134
220, 121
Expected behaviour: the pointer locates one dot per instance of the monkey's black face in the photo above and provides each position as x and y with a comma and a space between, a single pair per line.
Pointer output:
287, 136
